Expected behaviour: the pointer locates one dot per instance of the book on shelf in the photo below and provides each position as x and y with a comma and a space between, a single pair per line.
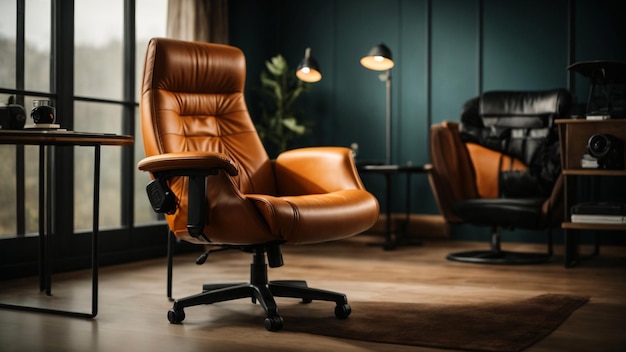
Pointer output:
598, 116
599, 213
589, 162
600, 208
599, 219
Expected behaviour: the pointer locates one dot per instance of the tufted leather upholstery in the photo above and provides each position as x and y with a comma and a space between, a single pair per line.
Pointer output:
203, 151
500, 165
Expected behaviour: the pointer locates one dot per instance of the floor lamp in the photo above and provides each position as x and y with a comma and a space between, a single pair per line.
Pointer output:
379, 59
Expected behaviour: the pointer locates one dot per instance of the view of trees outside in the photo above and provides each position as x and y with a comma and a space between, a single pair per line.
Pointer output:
98, 65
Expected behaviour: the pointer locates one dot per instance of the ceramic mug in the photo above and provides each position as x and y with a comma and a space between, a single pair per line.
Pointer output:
42, 112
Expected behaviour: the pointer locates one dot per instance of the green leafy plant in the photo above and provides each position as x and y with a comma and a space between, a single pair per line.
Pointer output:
280, 88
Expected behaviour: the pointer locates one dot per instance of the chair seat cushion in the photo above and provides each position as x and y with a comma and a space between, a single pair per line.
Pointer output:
504, 212
316, 218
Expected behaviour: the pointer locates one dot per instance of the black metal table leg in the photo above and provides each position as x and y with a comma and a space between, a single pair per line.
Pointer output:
46, 237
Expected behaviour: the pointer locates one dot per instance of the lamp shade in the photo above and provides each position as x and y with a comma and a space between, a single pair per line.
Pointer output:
378, 58
308, 70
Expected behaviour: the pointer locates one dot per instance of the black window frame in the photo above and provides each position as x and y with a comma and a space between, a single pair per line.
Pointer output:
71, 249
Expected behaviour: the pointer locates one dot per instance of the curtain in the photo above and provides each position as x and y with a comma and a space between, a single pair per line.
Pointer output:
198, 20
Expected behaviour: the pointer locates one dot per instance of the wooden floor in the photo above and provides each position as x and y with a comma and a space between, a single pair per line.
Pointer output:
133, 303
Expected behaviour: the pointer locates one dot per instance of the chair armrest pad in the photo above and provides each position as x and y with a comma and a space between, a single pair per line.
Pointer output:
188, 161
316, 170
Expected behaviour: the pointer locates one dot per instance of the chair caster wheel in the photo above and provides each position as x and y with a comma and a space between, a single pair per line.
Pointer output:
306, 300
175, 316
273, 323
342, 311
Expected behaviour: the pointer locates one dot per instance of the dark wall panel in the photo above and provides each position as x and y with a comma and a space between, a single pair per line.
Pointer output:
313, 27
360, 95
600, 33
600, 30
411, 118
254, 27
446, 52
525, 44
455, 57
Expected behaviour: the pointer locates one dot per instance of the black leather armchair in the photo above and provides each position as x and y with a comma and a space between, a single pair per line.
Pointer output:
500, 167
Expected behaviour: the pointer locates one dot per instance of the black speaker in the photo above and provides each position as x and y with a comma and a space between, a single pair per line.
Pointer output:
12, 117
608, 150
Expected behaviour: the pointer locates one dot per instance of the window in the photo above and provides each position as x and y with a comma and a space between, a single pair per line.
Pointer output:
25, 43
151, 19
109, 43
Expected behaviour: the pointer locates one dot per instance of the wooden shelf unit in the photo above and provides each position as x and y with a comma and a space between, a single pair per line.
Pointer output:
574, 134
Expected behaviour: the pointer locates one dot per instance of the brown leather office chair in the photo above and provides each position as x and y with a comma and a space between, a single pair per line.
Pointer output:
500, 167
217, 186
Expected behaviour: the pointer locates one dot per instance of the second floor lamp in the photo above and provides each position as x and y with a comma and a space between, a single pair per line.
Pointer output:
379, 59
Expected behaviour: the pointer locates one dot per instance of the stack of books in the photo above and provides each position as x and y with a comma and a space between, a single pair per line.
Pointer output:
589, 162
599, 213
598, 116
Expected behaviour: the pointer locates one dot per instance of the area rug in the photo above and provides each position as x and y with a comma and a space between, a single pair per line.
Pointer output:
509, 326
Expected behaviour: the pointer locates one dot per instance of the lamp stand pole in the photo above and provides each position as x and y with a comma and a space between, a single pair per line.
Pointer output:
387, 78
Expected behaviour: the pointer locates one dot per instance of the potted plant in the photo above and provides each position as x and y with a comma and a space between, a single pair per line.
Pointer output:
280, 121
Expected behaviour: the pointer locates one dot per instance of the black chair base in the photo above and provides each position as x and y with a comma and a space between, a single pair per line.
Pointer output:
495, 255
499, 257
260, 290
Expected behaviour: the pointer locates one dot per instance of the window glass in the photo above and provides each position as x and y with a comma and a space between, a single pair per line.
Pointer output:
98, 66
143, 210
35, 77
31, 189
8, 225
98, 54
8, 20
151, 21
99, 118
37, 35
8, 184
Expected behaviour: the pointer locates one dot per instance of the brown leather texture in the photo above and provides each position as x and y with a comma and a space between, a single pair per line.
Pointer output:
491, 163
451, 176
316, 170
194, 117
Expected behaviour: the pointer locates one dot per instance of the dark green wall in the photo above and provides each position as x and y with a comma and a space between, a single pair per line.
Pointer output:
446, 52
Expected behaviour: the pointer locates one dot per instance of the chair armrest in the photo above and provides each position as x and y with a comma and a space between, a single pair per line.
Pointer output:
196, 161
316, 170
553, 206
193, 200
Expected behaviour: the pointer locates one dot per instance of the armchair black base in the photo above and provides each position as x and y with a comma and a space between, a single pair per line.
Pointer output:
260, 290
499, 257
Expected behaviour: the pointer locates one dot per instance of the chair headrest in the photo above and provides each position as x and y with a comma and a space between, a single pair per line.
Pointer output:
519, 103
515, 122
519, 109
194, 67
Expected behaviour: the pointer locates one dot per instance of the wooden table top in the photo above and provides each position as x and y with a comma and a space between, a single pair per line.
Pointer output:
62, 137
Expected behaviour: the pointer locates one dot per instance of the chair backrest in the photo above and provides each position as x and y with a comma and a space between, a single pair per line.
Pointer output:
451, 177
514, 123
192, 99
513, 141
